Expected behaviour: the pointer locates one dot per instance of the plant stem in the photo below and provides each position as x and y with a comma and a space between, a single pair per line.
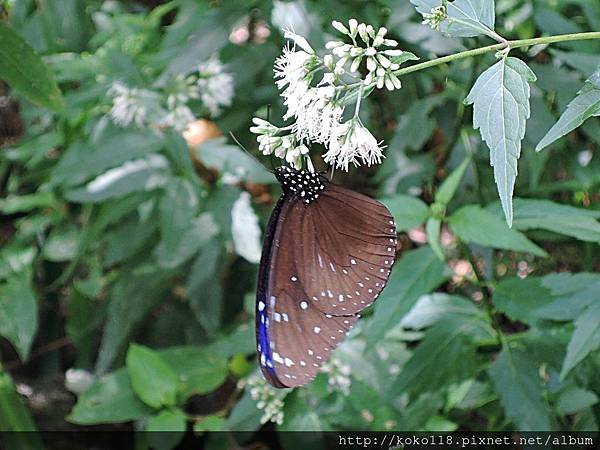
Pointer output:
497, 47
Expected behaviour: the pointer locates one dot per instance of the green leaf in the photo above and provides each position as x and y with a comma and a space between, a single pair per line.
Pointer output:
300, 415
165, 429
110, 399
433, 228
198, 45
18, 313
417, 273
151, 378
229, 159
245, 230
198, 370
182, 233
177, 150
571, 295
584, 106
434, 362
575, 399
24, 70
448, 188
15, 420
516, 380
61, 244
500, 99
245, 416
210, 423
585, 339
203, 288
131, 298
531, 214
409, 212
521, 299
144, 174
475, 225
24, 203
431, 308
112, 148
466, 18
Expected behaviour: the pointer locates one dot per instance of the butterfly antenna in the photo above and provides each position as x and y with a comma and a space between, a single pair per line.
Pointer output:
240, 145
332, 172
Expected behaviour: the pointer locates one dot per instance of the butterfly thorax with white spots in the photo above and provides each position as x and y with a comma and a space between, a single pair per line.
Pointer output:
305, 185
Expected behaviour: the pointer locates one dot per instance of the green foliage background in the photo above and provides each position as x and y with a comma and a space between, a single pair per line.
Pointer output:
481, 327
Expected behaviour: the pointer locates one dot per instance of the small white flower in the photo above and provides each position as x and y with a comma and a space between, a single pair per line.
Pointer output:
133, 105
435, 18
298, 40
352, 143
78, 380
215, 85
377, 58
267, 398
338, 376
178, 117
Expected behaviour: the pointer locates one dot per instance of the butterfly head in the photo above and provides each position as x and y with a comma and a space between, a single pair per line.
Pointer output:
305, 185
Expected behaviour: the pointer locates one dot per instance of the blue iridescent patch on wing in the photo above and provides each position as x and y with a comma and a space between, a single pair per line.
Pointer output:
266, 356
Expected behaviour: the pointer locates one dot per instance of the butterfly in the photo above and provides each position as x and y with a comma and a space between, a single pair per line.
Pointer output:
327, 255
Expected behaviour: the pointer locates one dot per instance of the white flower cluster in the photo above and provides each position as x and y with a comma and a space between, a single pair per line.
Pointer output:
339, 376
212, 85
317, 106
379, 60
215, 85
133, 105
269, 399
435, 18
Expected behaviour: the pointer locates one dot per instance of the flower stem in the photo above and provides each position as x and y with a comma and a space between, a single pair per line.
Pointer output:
497, 47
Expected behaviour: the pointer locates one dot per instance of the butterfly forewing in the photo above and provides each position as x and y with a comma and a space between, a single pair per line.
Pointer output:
323, 262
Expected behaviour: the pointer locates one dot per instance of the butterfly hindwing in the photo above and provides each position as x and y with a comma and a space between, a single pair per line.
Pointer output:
323, 262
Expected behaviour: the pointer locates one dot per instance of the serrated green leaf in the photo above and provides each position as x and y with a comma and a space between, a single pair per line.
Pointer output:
475, 225
516, 380
571, 295
109, 400
521, 299
500, 99
409, 212
417, 273
151, 378
531, 214
433, 363
584, 106
18, 313
585, 339
24, 70
466, 18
